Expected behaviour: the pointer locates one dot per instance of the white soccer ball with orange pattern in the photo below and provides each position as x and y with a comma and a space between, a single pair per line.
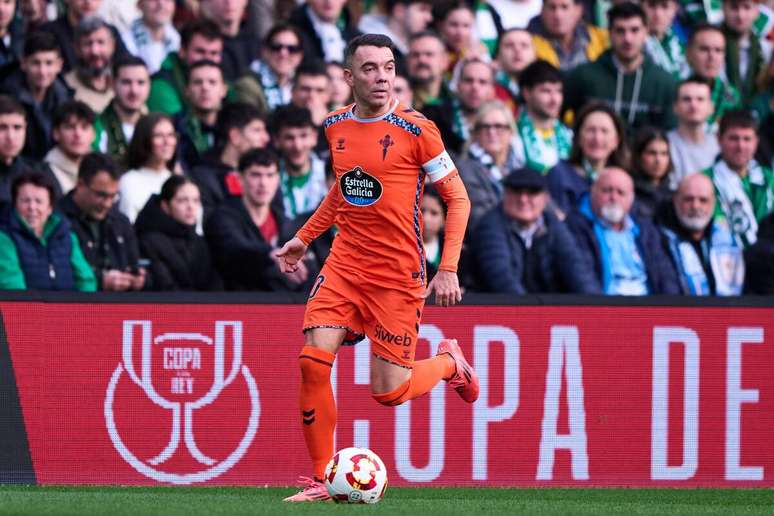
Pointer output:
356, 475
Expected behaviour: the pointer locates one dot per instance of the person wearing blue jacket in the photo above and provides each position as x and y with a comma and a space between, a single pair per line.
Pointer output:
519, 247
628, 254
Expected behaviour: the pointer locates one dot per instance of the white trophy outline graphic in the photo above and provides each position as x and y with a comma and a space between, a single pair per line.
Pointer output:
144, 381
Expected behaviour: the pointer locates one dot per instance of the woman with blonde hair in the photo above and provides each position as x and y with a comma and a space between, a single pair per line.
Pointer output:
491, 151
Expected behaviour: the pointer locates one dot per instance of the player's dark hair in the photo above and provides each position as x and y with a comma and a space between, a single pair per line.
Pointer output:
205, 28
235, 115
204, 63
73, 109
620, 156
11, 106
257, 157
40, 41
737, 119
125, 61
290, 116
625, 11
703, 27
95, 163
32, 177
366, 40
141, 145
172, 185
539, 72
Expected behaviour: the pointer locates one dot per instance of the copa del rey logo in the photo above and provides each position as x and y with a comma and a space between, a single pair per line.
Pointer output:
183, 375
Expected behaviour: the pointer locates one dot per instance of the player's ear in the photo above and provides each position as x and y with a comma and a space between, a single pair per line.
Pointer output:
348, 77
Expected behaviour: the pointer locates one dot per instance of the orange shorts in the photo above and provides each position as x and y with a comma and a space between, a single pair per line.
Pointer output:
388, 316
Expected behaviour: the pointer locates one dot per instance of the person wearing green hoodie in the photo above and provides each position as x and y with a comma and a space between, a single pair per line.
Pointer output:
624, 77
200, 40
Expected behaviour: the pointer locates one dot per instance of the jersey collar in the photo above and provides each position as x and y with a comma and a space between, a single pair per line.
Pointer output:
376, 118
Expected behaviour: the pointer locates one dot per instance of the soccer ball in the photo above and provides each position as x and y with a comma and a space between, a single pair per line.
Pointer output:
356, 475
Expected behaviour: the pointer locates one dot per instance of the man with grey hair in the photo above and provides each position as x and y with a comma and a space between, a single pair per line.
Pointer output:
63, 28
707, 256
627, 253
92, 79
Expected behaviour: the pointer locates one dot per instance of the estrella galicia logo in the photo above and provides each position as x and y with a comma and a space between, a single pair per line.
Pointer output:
360, 188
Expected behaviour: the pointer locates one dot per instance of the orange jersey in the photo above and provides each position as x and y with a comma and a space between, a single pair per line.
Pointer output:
380, 167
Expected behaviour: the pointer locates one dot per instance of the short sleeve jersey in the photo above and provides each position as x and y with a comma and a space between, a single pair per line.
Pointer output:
380, 165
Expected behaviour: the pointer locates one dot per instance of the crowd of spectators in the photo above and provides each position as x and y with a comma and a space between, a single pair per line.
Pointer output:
619, 148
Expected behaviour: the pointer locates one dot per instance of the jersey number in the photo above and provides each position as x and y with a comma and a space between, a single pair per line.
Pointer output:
317, 284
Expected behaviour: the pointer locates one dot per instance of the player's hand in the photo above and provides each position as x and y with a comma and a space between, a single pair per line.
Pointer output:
446, 287
291, 254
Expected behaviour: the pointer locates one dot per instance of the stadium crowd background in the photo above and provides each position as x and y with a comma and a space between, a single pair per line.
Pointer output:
607, 147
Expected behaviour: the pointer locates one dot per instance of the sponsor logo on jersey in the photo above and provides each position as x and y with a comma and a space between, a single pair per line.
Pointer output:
384, 335
340, 144
360, 188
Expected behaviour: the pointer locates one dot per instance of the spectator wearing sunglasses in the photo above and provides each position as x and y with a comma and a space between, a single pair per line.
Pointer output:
268, 84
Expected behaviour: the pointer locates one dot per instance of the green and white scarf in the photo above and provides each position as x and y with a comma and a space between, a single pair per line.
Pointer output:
541, 153
486, 30
735, 202
724, 97
302, 194
506, 81
703, 11
459, 123
591, 173
764, 23
668, 53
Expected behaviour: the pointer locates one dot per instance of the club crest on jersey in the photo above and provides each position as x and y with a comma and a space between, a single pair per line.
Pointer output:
360, 188
386, 143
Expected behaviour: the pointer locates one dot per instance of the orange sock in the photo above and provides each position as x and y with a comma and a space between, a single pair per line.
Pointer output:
425, 375
318, 409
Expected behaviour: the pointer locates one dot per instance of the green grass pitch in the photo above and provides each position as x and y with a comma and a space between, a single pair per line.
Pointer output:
192, 501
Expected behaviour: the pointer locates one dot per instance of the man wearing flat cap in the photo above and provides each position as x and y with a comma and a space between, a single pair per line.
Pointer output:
519, 247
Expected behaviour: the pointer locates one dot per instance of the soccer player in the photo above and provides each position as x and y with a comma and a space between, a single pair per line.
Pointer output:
374, 281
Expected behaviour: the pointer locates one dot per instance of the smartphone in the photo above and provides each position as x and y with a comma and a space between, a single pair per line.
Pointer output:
142, 263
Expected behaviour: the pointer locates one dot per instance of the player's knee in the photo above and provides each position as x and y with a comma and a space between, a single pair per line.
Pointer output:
315, 365
393, 398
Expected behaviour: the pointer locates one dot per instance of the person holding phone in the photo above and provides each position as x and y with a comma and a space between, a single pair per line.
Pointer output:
105, 234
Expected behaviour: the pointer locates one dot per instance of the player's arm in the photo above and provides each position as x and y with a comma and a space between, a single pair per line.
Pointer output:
447, 181
322, 219
455, 196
